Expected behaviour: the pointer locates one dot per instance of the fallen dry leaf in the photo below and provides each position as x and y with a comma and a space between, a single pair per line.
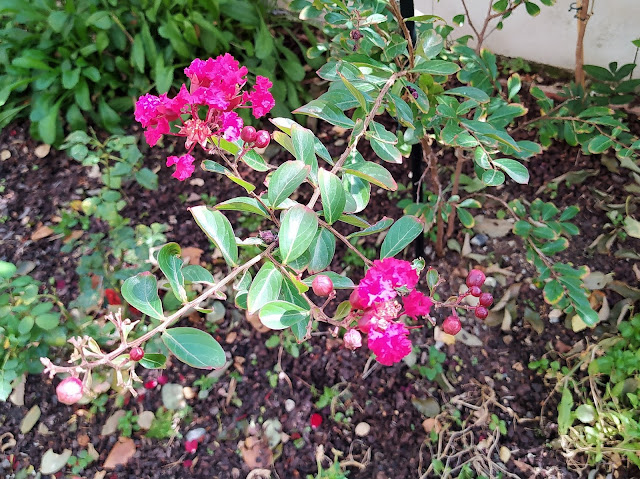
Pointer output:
83, 440
492, 227
256, 453
254, 320
75, 234
30, 419
41, 232
122, 451
191, 255
17, 396
111, 423
52, 462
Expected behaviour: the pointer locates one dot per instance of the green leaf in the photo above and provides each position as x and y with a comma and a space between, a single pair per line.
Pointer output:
522, 228
373, 173
26, 325
322, 250
465, 218
469, 92
436, 67
302, 140
153, 361
516, 170
386, 151
70, 78
265, 287
141, 292
171, 265
326, 112
532, 8
297, 231
137, 53
243, 203
339, 281
99, 19
197, 274
194, 347
564, 411
500, 6
218, 228
48, 321
47, 126
263, 42
332, 194
147, 178
430, 43
381, 225
357, 94
553, 292
285, 180
403, 232
514, 83
282, 314
357, 190
599, 144
493, 177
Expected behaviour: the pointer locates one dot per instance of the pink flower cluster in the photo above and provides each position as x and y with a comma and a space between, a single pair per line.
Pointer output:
375, 306
205, 110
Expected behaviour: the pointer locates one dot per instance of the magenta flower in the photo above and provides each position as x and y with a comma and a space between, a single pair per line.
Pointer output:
204, 110
383, 278
417, 304
261, 100
391, 344
184, 166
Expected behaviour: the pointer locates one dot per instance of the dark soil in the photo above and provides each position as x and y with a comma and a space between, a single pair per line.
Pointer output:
36, 189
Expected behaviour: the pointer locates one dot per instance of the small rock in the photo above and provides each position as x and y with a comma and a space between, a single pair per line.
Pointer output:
195, 434
479, 240
42, 150
362, 429
173, 396
289, 405
5, 155
508, 339
145, 418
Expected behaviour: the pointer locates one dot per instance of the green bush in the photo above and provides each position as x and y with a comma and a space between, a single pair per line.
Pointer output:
29, 325
89, 60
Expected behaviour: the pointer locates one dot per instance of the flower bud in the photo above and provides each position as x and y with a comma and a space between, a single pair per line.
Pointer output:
69, 391
352, 339
452, 325
248, 134
262, 139
322, 285
475, 278
136, 354
356, 300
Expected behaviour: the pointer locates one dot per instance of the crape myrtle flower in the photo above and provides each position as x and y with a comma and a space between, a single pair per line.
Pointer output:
205, 110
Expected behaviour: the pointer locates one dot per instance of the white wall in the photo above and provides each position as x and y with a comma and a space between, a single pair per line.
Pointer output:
550, 37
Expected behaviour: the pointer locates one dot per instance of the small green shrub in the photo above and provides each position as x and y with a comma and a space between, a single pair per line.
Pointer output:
29, 326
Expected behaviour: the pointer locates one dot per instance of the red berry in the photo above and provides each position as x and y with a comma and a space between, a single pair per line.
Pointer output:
452, 325
163, 379
262, 139
136, 354
248, 134
69, 391
322, 285
486, 300
475, 278
316, 420
481, 312
150, 384
475, 291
